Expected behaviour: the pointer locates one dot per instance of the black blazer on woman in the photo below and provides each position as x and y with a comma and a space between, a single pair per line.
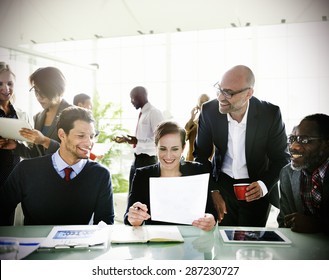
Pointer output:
141, 187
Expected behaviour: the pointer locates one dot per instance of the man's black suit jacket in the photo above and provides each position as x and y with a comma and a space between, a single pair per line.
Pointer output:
266, 142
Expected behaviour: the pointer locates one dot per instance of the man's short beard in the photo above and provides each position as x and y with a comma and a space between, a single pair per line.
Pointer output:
298, 168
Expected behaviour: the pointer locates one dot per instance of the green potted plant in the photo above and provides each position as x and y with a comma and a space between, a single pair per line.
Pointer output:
108, 124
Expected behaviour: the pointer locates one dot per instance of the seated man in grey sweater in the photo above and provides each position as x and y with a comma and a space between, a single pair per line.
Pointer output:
64, 188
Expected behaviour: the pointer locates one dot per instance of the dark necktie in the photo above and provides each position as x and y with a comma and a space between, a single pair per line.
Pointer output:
67, 171
140, 113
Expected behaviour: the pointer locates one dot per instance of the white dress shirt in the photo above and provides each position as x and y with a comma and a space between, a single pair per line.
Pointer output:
235, 163
147, 124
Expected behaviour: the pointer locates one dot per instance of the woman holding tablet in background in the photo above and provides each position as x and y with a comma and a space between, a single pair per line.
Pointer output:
48, 85
8, 159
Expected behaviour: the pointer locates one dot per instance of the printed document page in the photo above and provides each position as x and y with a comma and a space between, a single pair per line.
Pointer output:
26, 245
9, 128
178, 200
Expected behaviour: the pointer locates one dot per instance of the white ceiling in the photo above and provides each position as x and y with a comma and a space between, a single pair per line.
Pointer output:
26, 21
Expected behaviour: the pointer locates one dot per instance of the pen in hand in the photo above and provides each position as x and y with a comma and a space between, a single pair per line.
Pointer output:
138, 213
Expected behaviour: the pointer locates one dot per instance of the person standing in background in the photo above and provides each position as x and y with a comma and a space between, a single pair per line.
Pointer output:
48, 85
83, 100
191, 126
8, 159
250, 147
304, 183
143, 141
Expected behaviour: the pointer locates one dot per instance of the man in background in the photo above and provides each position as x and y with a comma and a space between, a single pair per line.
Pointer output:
143, 141
83, 100
304, 183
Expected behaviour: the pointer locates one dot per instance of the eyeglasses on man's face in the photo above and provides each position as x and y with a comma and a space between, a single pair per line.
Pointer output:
227, 92
301, 139
37, 92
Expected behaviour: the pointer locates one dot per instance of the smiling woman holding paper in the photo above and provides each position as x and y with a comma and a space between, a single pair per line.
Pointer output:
170, 144
7, 111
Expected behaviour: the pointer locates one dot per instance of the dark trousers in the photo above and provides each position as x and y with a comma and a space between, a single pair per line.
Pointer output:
141, 160
239, 212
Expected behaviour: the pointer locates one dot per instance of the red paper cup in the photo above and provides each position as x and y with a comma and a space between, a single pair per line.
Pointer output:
240, 190
92, 156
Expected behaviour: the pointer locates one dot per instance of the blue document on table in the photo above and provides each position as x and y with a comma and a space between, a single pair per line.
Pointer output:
87, 236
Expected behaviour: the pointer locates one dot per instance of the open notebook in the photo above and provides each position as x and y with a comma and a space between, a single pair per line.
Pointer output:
144, 234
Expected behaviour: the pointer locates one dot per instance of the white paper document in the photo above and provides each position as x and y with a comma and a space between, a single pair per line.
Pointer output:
178, 200
101, 149
9, 128
27, 245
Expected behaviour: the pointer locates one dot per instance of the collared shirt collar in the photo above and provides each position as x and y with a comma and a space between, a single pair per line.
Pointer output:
12, 112
322, 170
61, 164
244, 119
146, 107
